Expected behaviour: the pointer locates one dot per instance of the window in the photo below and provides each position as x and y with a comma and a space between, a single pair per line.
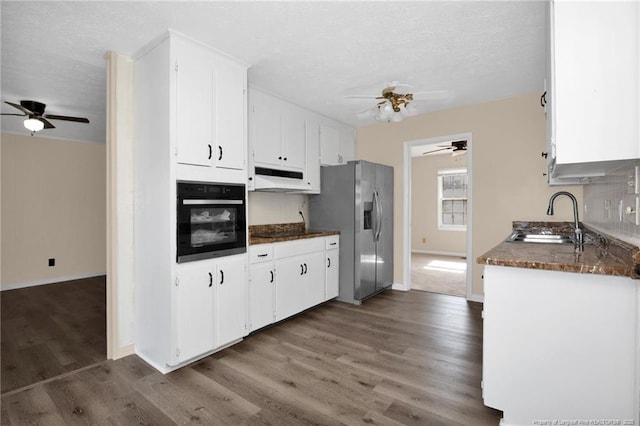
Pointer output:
452, 200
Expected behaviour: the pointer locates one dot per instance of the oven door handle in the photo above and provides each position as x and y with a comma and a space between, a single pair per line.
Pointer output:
200, 202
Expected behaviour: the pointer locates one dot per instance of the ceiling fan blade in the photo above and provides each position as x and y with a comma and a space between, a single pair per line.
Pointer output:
20, 107
436, 150
66, 118
47, 124
6, 113
432, 95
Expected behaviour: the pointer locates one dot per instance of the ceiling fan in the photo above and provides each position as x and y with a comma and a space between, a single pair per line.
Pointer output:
36, 118
456, 147
396, 103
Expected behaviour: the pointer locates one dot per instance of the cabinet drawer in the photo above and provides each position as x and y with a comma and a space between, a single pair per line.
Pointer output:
260, 253
298, 247
333, 242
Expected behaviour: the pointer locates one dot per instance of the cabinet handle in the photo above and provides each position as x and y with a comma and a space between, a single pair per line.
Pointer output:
221, 276
305, 268
285, 158
280, 158
220, 156
301, 269
263, 255
543, 99
332, 244
210, 279
328, 262
210, 151
271, 272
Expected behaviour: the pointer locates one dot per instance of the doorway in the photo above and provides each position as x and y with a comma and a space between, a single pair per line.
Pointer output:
437, 201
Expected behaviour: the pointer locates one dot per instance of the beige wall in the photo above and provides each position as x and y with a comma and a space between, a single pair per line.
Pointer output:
53, 206
424, 205
507, 138
276, 207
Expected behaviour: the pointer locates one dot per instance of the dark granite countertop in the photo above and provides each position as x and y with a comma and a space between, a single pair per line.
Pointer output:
275, 233
605, 256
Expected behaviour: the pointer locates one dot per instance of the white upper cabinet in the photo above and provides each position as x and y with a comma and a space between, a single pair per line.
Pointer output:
593, 86
195, 104
200, 95
312, 174
337, 144
277, 133
330, 146
288, 138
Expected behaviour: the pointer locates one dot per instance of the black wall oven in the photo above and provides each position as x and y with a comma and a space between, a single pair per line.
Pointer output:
211, 220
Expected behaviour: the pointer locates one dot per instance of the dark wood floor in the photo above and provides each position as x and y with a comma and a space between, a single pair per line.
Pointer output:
51, 329
402, 358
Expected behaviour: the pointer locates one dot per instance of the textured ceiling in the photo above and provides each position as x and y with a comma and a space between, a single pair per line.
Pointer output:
311, 53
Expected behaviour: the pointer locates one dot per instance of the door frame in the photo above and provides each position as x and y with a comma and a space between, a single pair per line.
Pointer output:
407, 219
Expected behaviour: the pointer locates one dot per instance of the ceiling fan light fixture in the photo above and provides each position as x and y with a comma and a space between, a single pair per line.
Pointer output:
33, 125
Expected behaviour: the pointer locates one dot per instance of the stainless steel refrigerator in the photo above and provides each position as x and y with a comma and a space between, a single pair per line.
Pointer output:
357, 200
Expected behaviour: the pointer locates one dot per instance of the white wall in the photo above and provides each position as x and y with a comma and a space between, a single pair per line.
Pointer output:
508, 185
425, 235
276, 207
53, 206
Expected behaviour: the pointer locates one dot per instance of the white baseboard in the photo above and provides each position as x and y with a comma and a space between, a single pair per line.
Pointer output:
124, 351
401, 287
14, 286
476, 298
440, 253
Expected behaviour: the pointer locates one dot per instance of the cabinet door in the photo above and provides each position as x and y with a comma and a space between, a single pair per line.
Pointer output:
195, 85
329, 146
595, 81
289, 287
266, 132
261, 295
231, 300
312, 175
195, 313
293, 139
332, 284
231, 87
314, 279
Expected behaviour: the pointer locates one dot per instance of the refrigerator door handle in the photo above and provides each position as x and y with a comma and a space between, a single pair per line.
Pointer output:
378, 221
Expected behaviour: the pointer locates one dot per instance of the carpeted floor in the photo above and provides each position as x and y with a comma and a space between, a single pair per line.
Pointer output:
439, 274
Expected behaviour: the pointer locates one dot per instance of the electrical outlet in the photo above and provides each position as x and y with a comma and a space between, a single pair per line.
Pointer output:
52, 261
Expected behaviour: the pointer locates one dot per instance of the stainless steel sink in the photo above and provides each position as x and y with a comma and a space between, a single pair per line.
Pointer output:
524, 237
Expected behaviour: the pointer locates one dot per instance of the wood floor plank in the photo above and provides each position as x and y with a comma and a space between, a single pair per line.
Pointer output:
30, 407
51, 329
276, 407
401, 358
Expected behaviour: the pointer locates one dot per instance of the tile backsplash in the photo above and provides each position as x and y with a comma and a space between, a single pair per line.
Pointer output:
610, 204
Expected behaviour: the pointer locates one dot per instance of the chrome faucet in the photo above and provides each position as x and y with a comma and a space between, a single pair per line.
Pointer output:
577, 230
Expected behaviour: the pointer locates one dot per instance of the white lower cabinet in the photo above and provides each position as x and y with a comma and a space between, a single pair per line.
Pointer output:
210, 308
288, 277
231, 300
560, 347
195, 316
332, 281
262, 284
